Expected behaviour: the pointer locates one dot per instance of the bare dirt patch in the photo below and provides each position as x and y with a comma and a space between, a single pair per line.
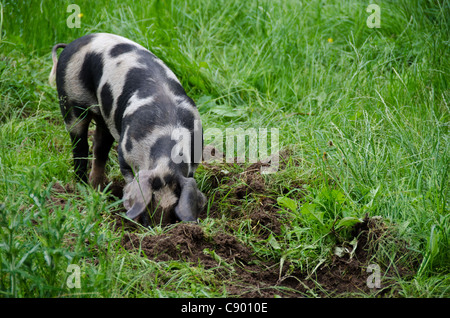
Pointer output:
59, 191
348, 273
242, 273
233, 263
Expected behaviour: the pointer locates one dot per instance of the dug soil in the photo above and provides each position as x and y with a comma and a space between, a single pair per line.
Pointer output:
234, 263
245, 275
242, 195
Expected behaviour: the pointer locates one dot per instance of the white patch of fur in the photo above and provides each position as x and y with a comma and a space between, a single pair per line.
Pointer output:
72, 84
109, 40
165, 198
162, 166
135, 103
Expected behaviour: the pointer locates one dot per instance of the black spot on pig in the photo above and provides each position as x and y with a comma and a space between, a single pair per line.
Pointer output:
135, 81
106, 99
91, 72
124, 166
147, 58
129, 145
162, 147
186, 118
176, 87
121, 48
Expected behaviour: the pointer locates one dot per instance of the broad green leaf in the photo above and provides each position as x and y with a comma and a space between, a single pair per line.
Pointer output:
339, 196
348, 221
287, 203
273, 242
310, 210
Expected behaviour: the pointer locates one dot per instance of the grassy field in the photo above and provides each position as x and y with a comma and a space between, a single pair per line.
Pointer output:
363, 119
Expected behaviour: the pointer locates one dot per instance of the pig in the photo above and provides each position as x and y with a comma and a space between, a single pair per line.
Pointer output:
137, 101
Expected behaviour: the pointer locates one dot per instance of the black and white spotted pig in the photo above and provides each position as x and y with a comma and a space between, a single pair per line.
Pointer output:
135, 99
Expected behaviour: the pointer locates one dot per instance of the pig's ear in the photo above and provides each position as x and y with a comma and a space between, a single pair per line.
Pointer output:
136, 210
138, 194
191, 201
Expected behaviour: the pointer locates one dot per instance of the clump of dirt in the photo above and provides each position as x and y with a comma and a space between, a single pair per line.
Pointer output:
369, 233
247, 196
244, 274
187, 242
348, 270
264, 218
236, 183
250, 194
251, 174
241, 180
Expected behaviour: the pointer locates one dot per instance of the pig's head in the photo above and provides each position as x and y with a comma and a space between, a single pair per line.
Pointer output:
162, 198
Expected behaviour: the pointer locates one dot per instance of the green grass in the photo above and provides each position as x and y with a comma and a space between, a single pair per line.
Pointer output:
376, 101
